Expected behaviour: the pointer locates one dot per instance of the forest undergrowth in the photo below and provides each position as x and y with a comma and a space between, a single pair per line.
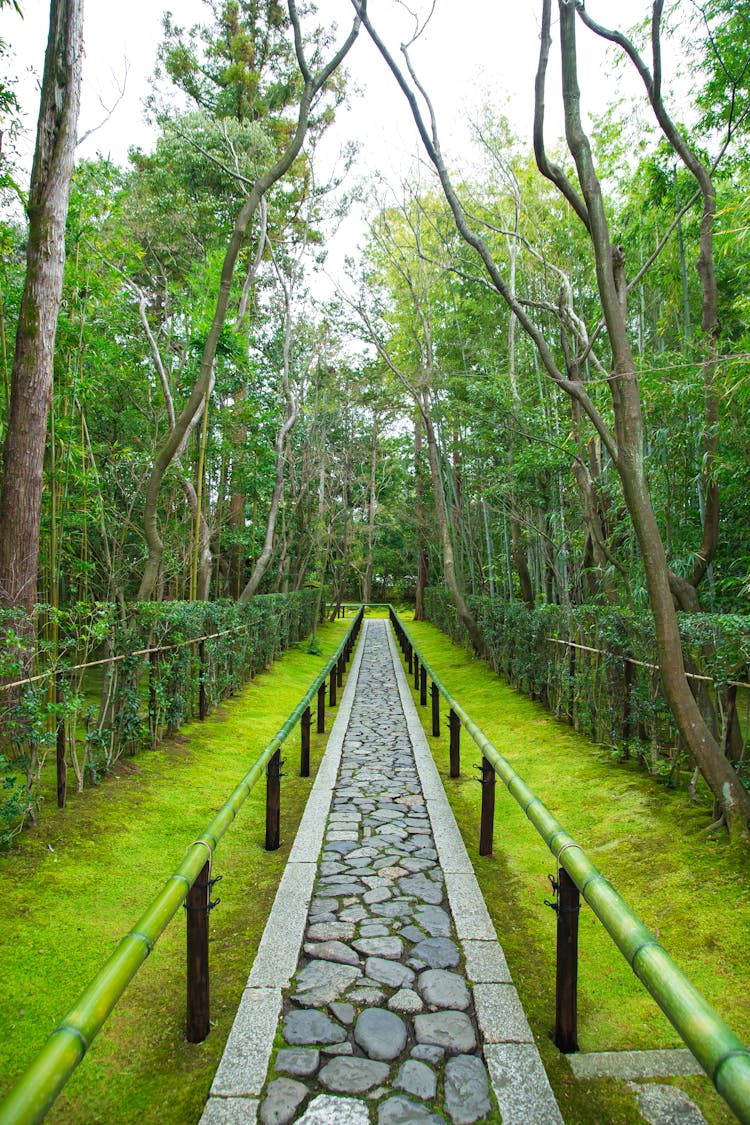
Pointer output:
687, 885
76, 883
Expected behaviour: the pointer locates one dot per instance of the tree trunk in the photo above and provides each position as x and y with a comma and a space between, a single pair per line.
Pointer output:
419, 613
367, 580
31, 389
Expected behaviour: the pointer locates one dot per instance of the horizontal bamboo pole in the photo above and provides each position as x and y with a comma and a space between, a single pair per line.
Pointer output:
43, 1080
724, 1057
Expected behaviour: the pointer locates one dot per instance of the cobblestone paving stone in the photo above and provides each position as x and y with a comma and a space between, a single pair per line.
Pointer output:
379, 1023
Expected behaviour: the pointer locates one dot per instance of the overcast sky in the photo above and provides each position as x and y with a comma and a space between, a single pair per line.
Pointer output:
472, 50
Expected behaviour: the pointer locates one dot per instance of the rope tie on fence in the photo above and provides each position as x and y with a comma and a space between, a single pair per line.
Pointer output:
68, 1029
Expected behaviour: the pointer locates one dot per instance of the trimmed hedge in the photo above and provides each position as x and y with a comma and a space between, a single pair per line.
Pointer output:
608, 686
110, 685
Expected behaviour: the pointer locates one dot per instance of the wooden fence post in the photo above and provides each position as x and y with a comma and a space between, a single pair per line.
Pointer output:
273, 802
435, 697
197, 908
566, 989
304, 726
322, 708
454, 725
423, 686
416, 670
488, 808
333, 683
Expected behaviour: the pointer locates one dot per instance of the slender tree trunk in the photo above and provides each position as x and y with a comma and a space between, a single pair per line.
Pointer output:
419, 612
31, 388
367, 580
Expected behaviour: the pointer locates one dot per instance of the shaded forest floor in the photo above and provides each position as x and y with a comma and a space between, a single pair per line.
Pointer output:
75, 884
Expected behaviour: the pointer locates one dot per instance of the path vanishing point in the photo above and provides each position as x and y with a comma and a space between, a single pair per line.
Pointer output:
379, 992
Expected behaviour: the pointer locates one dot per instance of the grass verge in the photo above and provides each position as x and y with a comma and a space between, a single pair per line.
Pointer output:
73, 885
686, 885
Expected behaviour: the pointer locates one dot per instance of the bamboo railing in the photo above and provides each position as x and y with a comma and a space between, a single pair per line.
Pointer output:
42, 1081
723, 1056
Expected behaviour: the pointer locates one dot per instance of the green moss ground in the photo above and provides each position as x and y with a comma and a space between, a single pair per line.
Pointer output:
686, 885
72, 886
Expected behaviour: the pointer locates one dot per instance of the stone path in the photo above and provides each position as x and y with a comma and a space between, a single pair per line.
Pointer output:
379, 979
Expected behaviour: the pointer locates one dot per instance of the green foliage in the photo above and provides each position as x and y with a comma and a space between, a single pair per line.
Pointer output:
596, 668
141, 682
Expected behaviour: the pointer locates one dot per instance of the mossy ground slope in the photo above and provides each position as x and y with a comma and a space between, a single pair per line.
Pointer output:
686, 885
74, 885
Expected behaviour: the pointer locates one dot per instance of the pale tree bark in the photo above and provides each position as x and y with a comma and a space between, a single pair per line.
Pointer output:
31, 388
292, 412
625, 444
312, 85
371, 507
422, 575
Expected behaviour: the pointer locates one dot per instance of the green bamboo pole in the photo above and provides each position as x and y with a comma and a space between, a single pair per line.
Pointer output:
724, 1057
42, 1081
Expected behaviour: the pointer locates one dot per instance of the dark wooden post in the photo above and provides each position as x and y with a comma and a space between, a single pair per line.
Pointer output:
153, 671
566, 999
273, 802
62, 766
423, 686
197, 908
488, 808
202, 694
627, 718
332, 692
304, 726
409, 656
322, 708
340, 671
435, 697
416, 670
454, 725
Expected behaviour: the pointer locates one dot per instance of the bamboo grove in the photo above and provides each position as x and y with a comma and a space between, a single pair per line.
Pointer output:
218, 430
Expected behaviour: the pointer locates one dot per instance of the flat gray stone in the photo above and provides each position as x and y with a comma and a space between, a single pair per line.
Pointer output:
485, 962
467, 1092
330, 931
434, 920
441, 989
403, 1111
243, 1066
309, 1027
344, 1013
370, 997
452, 1030
635, 1064
417, 1078
397, 908
437, 952
391, 947
343, 847
338, 1049
377, 894
282, 1099
428, 1052
422, 888
230, 1111
297, 1061
667, 1105
468, 907
381, 1034
353, 1076
500, 1014
328, 1110
520, 1084
321, 982
406, 1000
392, 973
332, 951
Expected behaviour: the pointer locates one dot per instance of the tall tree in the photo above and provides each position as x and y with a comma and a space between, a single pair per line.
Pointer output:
31, 387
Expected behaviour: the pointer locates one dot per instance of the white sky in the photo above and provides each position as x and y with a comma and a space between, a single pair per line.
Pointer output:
472, 50
471, 47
